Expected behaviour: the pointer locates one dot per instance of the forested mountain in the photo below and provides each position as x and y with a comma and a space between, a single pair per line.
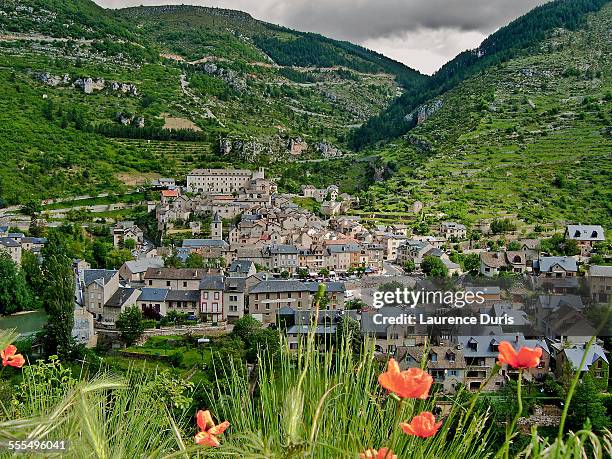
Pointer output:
187, 30
521, 37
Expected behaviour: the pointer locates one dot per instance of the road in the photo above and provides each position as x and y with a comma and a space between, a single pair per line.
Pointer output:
391, 269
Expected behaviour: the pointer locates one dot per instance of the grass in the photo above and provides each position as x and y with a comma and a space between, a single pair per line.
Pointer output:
296, 404
130, 198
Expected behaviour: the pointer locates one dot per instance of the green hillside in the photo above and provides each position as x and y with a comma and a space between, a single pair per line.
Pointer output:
520, 128
519, 38
197, 32
167, 84
528, 138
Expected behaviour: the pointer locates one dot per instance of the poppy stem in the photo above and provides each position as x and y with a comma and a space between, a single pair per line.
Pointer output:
510, 431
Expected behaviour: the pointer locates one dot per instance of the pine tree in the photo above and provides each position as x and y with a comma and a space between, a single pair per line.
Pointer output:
588, 405
58, 299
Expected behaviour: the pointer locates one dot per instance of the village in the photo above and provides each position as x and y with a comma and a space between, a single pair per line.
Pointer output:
265, 256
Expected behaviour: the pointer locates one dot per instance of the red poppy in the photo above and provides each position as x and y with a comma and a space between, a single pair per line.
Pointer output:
10, 358
526, 357
382, 453
209, 431
424, 425
411, 383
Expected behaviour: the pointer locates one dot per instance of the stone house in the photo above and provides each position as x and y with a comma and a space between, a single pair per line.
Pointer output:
596, 363
342, 257
480, 354
98, 286
134, 270
127, 230
173, 278
212, 306
388, 338
241, 268
12, 248
152, 301
234, 298
412, 250
453, 230
185, 301
586, 236
123, 298
599, 282
282, 258
446, 364
557, 267
268, 296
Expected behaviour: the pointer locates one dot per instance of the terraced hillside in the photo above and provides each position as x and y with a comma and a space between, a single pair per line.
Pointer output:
97, 99
529, 138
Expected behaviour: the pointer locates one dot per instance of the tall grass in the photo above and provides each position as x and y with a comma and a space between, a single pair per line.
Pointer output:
329, 404
297, 404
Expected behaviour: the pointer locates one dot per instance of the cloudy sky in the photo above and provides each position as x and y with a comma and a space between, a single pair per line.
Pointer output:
423, 34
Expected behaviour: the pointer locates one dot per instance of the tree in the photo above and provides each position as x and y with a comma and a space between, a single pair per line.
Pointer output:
195, 260
409, 266
245, 327
100, 253
129, 244
32, 207
130, 324
504, 225
285, 275
513, 246
173, 261
117, 257
265, 342
30, 266
587, 404
597, 259
58, 299
471, 263
434, 267
324, 272
14, 293
558, 245
355, 304
302, 273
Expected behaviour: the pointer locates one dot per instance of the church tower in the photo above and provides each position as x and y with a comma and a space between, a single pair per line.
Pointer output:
216, 227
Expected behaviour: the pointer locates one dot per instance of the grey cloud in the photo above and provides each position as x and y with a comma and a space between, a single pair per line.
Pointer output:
365, 19
384, 25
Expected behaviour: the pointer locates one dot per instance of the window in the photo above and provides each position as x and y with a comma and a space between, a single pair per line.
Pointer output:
216, 295
434, 357
167, 283
205, 295
150, 282
452, 372
184, 284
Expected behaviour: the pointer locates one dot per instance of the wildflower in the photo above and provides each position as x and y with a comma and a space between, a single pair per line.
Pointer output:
209, 431
411, 383
10, 358
424, 425
525, 358
382, 453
